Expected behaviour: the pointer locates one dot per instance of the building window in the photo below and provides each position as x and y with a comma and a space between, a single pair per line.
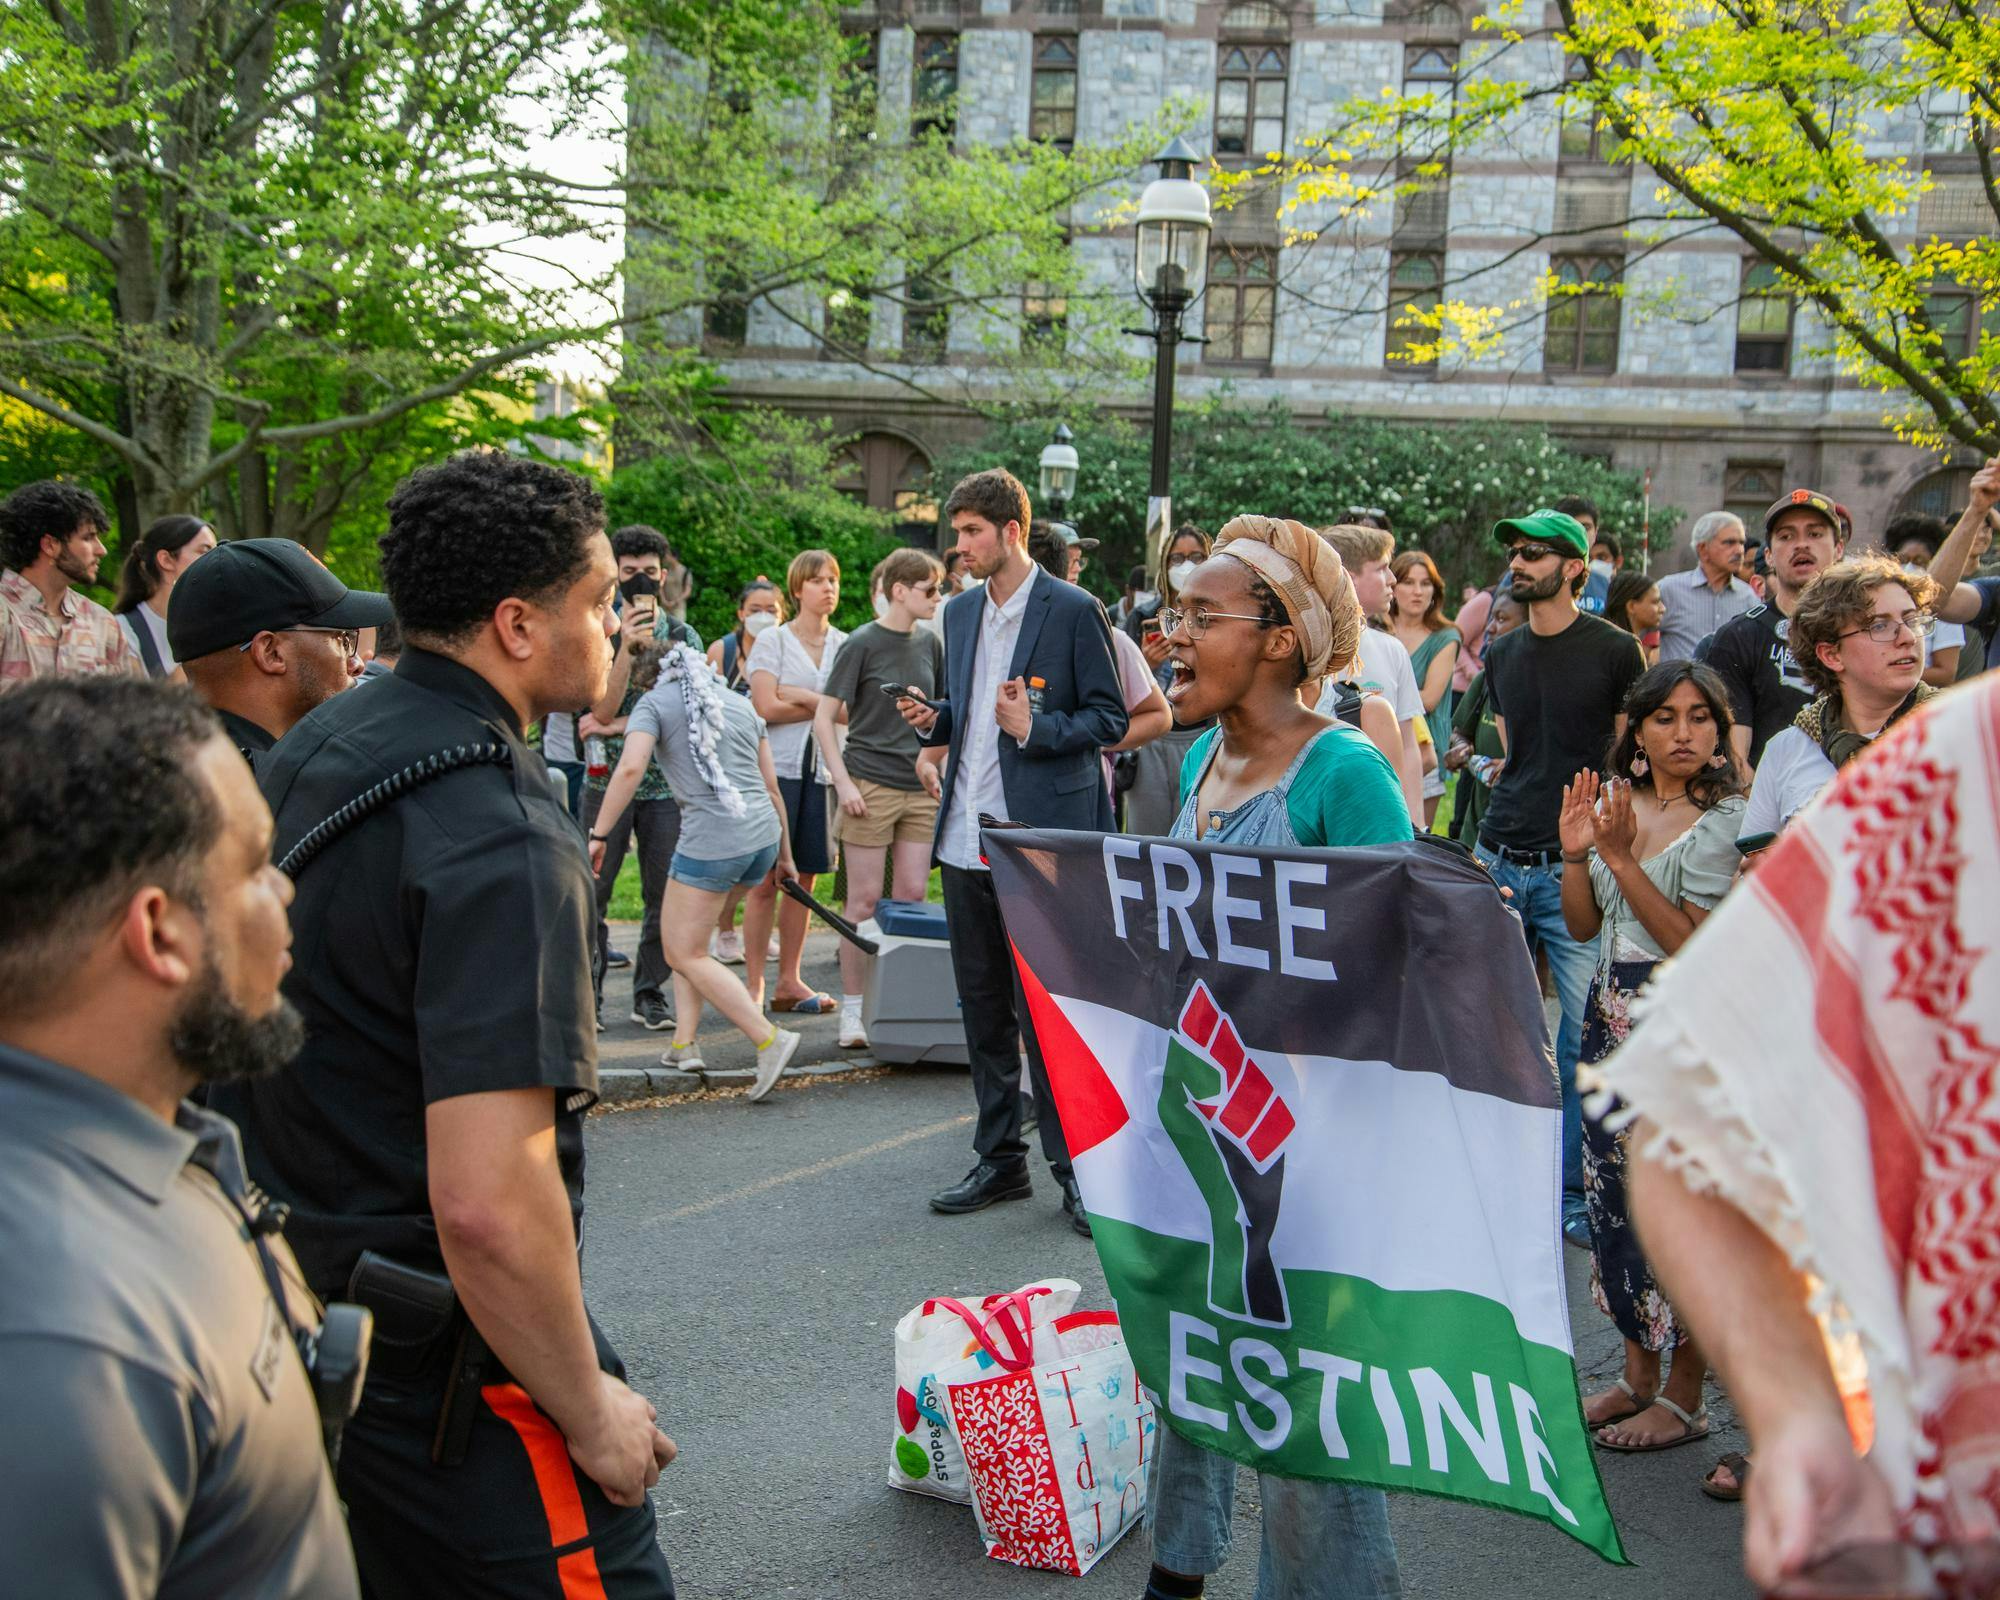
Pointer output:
1750, 487
1416, 283
1052, 99
1947, 123
1250, 100
725, 320
1242, 295
1423, 200
926, 320
1763, 321
1254, 15
1584, 307
854, 91
934, 99
1585, 140
1957, 316
1044, 316
849, 318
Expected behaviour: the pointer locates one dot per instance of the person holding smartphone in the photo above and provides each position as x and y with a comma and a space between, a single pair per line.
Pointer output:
646, 567
884, 808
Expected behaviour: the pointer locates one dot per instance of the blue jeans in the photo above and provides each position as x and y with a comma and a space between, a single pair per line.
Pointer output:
1573, 963
1322, 1541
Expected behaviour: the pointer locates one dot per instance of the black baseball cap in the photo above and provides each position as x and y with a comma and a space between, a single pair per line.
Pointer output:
244, 587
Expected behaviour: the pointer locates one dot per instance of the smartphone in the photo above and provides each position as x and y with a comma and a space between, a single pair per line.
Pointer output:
1150, 628
1751, 843
897, 692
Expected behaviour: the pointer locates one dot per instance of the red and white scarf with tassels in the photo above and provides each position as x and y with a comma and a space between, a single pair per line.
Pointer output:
1826, 1054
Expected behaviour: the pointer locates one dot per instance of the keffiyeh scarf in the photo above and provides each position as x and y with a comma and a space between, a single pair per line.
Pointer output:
1826, 1055
703, 695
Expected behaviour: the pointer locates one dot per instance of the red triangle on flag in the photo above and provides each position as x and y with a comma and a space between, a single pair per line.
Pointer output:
1086, 1099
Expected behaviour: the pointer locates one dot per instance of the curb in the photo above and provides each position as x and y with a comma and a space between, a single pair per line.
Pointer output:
616, 1085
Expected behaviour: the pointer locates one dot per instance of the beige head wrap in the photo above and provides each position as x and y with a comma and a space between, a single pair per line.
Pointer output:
1305, 573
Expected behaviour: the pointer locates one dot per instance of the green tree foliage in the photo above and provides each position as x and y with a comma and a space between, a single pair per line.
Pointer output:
1792, 125
259, 252
742, 504
1442, 485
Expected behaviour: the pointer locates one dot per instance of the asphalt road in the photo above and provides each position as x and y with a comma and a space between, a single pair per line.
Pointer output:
750, 1262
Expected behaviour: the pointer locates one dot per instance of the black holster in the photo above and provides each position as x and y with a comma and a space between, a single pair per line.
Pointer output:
418, 1324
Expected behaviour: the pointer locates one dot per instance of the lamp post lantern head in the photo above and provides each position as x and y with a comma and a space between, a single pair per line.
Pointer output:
1059, 466
1173, 230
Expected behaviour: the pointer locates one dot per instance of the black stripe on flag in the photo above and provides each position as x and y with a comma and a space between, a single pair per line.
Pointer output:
1404, 954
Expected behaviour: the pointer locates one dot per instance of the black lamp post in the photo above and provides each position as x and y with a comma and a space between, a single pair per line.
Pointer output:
1169, 266
1059, 472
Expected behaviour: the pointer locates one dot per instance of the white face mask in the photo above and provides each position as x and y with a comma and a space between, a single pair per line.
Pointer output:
1144, 597
1179, 573
881, 605
757, 622
1603, 569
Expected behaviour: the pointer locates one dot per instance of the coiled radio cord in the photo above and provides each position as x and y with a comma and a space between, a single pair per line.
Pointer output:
388, 791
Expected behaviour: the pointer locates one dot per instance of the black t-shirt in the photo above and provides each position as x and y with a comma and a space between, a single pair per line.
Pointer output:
440, 948
1766, 688
1560, 697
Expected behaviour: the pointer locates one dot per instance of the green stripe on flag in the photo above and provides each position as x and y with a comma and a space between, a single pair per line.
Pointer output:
1428, 1390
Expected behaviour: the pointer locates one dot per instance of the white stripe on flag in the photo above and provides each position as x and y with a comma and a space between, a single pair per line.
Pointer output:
1429, 1158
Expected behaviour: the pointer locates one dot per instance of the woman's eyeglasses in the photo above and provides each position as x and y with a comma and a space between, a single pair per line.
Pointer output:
1885, 630
1197, 618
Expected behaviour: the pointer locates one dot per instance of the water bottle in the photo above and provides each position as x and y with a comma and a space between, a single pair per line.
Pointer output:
596, 759
1038, 694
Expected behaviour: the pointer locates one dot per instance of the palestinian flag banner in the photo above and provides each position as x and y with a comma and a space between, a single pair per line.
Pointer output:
1314, 1115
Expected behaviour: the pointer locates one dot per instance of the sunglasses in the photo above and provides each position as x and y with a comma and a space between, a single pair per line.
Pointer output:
1531, 552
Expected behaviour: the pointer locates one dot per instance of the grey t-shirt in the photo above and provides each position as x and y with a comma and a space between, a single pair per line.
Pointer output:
161, 1437
708, 831
881, 746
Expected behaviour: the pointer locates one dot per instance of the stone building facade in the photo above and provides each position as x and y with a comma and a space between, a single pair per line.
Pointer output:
1725, 399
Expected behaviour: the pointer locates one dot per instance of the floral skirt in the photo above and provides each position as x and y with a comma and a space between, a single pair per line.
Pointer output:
1621, 1281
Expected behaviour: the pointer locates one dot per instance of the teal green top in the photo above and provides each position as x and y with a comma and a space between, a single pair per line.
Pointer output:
1346, 793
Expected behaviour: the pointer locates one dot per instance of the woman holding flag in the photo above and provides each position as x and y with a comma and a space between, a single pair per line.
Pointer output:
1270, 610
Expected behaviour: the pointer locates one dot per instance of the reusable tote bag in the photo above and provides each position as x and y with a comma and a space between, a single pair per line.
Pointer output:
1057, 1449
943, 1334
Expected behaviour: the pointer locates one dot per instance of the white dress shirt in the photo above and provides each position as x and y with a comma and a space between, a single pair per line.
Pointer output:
977, 786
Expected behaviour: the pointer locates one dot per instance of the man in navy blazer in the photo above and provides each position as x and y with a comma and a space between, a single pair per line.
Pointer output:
1031, 698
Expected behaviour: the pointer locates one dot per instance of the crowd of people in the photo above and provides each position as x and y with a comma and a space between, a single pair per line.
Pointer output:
471, 756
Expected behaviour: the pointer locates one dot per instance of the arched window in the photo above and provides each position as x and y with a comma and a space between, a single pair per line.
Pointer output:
1942, 493
890, 473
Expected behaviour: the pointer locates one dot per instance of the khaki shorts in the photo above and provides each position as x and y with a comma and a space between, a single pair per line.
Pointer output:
895, 816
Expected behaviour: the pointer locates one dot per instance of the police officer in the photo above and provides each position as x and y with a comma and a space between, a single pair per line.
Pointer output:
160, 1434
429, 1140
268, 635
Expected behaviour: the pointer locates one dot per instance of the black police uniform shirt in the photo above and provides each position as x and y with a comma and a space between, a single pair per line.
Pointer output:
160, 1436
440, 948
1559, 697
250, 740
1766, 688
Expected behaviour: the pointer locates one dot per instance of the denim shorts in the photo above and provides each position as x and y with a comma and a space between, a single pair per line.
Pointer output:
719, 877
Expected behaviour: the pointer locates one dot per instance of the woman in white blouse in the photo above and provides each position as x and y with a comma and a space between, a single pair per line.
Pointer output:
156, 559
788, 667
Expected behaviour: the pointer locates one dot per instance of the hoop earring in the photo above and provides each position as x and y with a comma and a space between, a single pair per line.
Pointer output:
1638, 766
1719, 760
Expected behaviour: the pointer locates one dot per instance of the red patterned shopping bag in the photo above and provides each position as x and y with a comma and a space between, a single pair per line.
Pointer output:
1058, 1453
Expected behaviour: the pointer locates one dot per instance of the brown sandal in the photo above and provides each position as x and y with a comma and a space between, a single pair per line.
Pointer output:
1739, 1468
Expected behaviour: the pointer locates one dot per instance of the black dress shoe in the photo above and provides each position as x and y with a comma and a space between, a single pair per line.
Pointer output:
982, 1186
1073, 1208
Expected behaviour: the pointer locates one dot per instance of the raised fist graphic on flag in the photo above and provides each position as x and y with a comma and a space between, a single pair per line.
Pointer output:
1230, 1126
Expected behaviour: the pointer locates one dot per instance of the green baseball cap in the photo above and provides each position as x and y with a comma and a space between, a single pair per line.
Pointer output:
1556, 528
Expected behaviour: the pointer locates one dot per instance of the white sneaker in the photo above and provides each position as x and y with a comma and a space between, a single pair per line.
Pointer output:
771, 1061
682, 1058
852, 1035
729, 948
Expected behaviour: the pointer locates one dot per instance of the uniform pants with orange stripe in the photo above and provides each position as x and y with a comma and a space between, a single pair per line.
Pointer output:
515, 1520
